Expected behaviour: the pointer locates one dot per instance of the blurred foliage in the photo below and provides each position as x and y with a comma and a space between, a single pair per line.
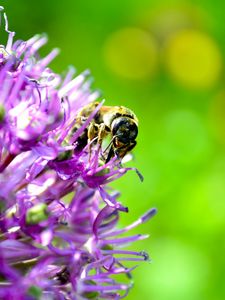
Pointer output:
164, 60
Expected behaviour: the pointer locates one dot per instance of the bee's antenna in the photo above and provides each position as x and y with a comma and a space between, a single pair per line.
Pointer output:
110, 154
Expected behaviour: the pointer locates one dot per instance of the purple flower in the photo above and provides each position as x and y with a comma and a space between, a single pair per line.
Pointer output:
58, 218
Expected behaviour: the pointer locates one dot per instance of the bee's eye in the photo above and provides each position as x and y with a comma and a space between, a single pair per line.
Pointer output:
125, 129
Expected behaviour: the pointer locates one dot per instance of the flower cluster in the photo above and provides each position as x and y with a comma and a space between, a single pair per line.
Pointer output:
58, 217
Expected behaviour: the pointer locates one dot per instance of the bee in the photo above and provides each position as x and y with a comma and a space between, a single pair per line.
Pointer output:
118, 122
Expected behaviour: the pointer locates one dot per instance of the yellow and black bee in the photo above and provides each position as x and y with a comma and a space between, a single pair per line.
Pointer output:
118, 122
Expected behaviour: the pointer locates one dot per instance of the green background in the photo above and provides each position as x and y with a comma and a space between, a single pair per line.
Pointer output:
164, 60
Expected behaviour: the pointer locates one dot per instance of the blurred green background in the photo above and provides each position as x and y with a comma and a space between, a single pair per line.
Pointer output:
164, 60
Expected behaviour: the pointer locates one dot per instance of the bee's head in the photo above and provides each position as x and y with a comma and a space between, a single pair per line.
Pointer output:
125, 129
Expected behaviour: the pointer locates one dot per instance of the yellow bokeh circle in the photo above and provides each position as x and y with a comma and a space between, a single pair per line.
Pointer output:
131, 53
193, 59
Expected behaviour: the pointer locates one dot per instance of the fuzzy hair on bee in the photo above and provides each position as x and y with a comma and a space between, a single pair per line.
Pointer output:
117, 122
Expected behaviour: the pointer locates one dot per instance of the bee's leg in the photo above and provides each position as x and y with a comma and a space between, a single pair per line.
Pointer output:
109, 145
96, 131
92, 131
101, 133
92, 134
